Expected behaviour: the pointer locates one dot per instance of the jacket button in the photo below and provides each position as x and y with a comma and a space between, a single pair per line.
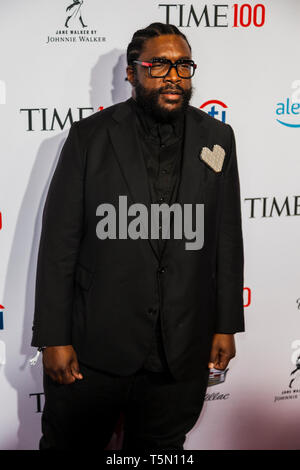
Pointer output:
162, 269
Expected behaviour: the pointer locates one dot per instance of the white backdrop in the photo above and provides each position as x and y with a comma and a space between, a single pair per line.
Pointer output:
47, 75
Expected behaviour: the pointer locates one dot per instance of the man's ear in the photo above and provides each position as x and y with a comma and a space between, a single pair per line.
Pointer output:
131, 77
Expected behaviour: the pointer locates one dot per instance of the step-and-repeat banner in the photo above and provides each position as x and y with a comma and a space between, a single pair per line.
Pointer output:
63, 60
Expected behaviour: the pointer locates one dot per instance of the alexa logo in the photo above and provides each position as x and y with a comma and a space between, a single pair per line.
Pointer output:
288, 110
288, 113
215, 108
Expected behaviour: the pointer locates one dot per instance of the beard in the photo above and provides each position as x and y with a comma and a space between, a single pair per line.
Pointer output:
148, 100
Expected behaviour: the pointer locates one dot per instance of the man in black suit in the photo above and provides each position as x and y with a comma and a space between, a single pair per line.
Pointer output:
132, 324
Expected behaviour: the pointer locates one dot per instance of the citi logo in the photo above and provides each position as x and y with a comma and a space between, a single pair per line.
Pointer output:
215, 108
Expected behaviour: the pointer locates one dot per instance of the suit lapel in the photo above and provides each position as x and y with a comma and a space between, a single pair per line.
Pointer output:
129, 155
191, 187
193, 171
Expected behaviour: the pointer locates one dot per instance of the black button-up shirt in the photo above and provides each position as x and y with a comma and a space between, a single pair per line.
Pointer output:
162, 148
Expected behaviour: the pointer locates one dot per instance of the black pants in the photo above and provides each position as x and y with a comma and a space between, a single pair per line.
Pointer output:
158, 411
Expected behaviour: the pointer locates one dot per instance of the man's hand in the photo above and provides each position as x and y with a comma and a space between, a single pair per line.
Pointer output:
222, 350
60, 362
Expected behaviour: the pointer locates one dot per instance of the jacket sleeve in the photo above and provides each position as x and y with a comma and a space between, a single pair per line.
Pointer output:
230, 252
62, 225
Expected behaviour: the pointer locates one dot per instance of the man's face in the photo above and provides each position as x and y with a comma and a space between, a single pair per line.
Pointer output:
165, 98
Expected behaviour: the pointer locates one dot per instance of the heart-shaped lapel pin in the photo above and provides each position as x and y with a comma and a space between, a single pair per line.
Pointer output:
214, 158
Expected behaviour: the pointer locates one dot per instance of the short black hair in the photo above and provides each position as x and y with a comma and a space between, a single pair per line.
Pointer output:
154, 29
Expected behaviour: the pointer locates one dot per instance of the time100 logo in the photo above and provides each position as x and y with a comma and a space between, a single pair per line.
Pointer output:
246, 14
214, 16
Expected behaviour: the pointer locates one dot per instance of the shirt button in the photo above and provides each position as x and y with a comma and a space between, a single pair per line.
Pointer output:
164, 171
161, 199
162, 270
162, 146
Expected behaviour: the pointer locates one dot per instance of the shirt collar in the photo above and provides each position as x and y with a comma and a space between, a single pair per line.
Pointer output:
155, 128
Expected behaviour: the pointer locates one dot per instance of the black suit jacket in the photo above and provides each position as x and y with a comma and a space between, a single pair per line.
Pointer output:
102, 296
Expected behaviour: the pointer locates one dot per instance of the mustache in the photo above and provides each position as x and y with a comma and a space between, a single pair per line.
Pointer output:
176, 88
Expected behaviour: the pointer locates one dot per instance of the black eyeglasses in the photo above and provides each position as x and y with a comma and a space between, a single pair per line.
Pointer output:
159, 68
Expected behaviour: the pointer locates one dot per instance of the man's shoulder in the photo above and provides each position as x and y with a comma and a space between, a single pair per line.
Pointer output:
208, 120
103, 118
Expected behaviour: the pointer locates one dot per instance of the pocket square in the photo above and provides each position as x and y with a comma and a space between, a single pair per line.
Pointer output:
214, 158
